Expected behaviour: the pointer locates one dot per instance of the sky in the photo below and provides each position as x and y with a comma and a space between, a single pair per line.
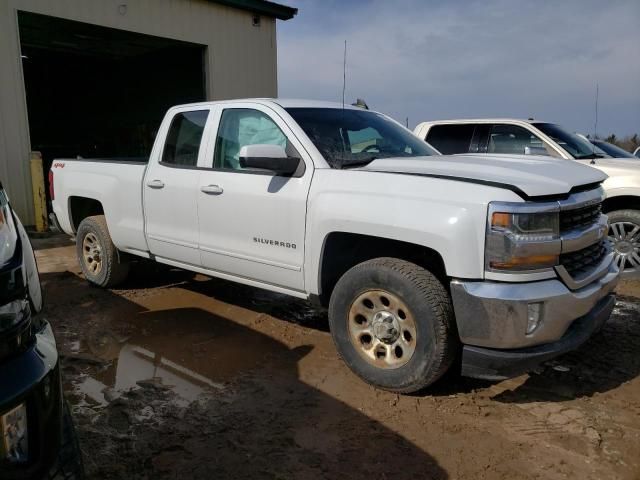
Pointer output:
430, 60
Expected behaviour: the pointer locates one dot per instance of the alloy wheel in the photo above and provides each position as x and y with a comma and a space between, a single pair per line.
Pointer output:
625, 237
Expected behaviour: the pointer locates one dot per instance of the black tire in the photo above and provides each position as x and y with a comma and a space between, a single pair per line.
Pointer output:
112, 270
68, 465
437, 340
629, 219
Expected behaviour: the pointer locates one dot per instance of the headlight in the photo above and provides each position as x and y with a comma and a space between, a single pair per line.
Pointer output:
12, 313
521, 239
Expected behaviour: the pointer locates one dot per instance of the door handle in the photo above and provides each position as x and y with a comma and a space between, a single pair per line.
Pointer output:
155, 184
212, 189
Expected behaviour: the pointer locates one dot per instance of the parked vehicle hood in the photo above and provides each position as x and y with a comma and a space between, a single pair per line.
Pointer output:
623, 173
527, 175
615, 166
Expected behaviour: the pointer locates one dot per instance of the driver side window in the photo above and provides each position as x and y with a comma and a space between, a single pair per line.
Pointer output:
240, 127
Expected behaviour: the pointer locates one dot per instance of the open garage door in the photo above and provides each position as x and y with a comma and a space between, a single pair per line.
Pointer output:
101, 92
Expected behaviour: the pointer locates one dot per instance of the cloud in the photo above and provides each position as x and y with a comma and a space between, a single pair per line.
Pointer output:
429, 60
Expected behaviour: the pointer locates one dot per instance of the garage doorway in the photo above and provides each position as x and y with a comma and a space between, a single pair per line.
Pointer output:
98, 92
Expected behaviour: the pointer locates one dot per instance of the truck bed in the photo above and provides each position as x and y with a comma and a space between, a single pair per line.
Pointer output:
114, 182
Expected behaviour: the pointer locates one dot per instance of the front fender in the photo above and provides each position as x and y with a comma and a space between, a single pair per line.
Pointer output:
443, 215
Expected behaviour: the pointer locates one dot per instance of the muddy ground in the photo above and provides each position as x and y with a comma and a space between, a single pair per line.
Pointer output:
176, 375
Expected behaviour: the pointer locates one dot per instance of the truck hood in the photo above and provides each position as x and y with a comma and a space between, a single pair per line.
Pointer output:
527, 175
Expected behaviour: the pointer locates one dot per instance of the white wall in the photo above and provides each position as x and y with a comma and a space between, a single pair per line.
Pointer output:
241, 61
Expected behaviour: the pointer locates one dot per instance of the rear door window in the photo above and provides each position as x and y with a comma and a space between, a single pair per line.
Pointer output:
451, 139
183, 139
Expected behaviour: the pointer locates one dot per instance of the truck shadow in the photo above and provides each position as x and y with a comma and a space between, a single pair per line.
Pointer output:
608, 360
185, 392
281, 306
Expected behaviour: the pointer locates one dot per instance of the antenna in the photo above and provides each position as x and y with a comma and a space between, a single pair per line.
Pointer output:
595, 129
595, 126
344, 73
344, 87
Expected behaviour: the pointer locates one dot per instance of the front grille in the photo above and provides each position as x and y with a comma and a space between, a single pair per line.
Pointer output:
579, 218
581, 262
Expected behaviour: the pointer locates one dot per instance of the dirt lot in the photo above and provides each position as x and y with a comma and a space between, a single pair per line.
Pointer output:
180, 376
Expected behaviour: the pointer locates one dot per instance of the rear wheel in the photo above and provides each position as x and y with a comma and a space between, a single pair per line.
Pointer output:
624, 233
393, 324
98, 256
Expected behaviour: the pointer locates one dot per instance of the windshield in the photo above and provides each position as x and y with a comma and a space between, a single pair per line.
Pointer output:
613, 150
575, 145
348, 137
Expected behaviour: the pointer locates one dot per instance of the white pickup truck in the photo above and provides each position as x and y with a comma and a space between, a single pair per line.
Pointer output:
501, 261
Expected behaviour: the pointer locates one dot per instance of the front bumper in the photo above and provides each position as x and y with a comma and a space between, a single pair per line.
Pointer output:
494, 314
492, 320
32, 378
493, 364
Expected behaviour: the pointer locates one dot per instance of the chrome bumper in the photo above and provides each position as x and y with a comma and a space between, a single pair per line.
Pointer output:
494, 314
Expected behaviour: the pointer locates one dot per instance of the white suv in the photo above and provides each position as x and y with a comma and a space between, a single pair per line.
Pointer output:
533, 137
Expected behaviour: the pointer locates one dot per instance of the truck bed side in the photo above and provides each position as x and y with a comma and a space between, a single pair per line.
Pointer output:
111, 187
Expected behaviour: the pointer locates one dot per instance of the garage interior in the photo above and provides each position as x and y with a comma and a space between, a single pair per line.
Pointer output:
99, 92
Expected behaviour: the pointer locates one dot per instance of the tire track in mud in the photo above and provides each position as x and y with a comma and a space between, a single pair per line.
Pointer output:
567, 401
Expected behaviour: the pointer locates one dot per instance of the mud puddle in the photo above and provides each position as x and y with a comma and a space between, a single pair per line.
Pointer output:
188, 351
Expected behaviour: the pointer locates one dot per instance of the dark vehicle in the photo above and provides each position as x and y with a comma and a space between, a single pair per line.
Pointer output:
612, 150
36, 433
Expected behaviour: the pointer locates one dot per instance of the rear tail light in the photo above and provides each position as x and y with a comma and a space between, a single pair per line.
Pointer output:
51, 189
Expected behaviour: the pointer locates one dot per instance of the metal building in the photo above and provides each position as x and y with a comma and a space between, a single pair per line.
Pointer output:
92, 78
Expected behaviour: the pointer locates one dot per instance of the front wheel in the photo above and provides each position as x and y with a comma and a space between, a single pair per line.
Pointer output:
393, 324
624, 233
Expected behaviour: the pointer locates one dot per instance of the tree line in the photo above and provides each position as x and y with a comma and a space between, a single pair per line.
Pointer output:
629, 143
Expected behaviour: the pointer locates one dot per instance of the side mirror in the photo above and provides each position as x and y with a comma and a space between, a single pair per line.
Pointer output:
268, 157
